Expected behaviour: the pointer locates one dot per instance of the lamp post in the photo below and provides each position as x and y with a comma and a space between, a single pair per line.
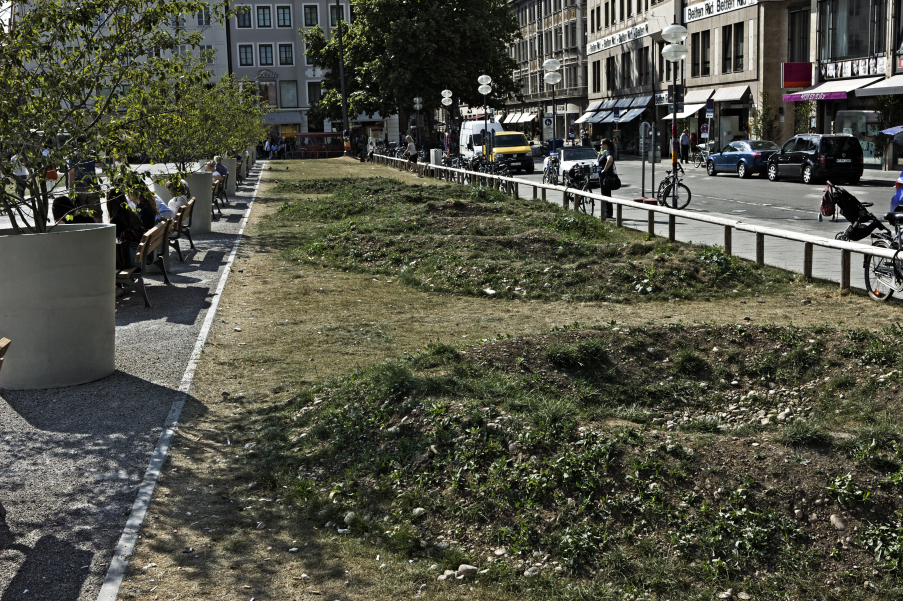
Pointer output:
484, 89
417, 106
552, 78
674, 52
345, 128
446, 102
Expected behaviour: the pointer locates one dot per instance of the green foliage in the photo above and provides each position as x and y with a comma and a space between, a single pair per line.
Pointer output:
802, 433
766, 125
886, 542
890, 111
802, 110
584, 355
848, 493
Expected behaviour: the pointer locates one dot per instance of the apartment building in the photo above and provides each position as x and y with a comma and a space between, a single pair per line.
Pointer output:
550, 29
819, 66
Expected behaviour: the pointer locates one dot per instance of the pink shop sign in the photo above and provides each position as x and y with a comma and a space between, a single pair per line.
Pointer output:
802, 97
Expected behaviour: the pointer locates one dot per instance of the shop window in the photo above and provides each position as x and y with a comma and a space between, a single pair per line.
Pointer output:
694, 56
851, 28
798, 37
288, 92
727, 49
706, 53
266, 92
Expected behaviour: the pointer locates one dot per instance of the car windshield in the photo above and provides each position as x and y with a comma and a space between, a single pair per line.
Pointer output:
478, 139
840, 145
510, 140
577, 154
762, 145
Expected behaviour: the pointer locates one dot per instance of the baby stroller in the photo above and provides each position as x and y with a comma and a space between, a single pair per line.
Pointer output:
862, 222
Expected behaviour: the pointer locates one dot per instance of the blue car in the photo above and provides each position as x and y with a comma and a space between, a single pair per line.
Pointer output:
743, 158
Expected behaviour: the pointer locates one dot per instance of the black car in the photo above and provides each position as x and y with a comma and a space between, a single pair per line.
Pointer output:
813, 157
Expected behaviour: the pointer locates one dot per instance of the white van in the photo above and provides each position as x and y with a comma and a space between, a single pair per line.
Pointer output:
471, 141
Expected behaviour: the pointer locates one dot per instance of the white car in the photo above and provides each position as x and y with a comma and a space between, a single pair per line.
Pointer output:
577, 155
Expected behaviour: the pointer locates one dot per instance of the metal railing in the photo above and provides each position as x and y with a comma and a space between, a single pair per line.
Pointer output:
511, 186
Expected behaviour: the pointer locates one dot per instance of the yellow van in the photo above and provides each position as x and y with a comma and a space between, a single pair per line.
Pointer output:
513, 146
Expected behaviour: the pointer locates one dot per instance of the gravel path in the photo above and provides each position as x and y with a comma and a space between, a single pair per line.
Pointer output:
71, 459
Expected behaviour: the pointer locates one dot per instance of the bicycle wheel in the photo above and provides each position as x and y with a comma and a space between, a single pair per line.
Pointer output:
700, 160
660, 194
681, 200
587, 206
880, 277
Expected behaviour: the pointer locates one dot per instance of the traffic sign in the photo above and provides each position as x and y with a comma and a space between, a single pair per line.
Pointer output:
710, 108
704, 128
617, 115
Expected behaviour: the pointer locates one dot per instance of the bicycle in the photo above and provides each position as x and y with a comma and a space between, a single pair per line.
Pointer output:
550, 171
667, 188
702, 156
580, 177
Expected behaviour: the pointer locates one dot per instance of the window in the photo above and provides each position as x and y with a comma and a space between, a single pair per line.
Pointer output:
178, 21
661, 63
311, 19
180, 50
622, 10
286, 54
706, 53
597, 76
246, 55
263, 16
640, 67
727, 49
207, 53
334, 15
573, 33
599, 15
307, 59
266, 91
798, 37
738, 46
851, 28
313, 92
243, 18
592, 21
284, 16
266, 55
610, 73
629, 8
288, 94
694, 56
647, 66
626, 76
203, 18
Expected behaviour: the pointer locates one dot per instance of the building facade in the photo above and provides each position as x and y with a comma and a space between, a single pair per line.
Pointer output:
549, 29
783, 67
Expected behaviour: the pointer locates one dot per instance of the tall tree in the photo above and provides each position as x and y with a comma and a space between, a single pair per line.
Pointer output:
398, 49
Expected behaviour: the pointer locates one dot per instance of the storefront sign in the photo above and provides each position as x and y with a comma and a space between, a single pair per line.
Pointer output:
814, 96
661, 99
267, 74
711, 8
616, 39
796, 75
859, 67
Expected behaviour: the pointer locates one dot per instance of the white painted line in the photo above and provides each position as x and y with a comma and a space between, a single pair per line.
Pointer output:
119, 563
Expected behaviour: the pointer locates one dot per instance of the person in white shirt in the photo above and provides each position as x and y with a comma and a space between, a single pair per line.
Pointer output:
20, 175
411, 153
179, 194
163, 209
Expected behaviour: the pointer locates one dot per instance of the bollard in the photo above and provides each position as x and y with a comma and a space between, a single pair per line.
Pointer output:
728, 233
760, 249
844, 271
619, 215
650, 223
807, 260
672, 225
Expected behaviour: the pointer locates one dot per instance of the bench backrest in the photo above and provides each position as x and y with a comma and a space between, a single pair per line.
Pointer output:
4, 346
151, 240
189, 210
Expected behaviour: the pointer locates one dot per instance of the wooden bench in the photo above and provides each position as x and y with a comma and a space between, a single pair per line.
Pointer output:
153, 239
4, 346
181, 226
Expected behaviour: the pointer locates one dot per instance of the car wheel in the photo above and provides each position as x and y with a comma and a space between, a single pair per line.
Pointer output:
710, 168
743, 170
808, 176
772, 173
530, 169
853, 181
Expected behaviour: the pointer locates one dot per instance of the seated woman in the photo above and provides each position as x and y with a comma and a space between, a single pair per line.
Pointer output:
220, 168
147, 204
129, 230
179, 193
65, 211
211, 168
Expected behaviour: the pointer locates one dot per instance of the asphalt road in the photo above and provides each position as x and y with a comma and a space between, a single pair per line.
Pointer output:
785, 204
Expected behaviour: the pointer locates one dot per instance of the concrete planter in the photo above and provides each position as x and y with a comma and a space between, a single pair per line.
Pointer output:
161, 191
230, 167
58, 306
201, 186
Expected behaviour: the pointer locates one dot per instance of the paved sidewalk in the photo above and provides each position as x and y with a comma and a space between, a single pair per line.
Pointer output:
72, 458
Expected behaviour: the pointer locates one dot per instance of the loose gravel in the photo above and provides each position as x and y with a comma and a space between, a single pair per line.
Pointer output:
71, 459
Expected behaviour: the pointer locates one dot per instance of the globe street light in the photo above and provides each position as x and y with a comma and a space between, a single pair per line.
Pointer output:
417, 106
484, 89
552, 78
674, 52
446, 102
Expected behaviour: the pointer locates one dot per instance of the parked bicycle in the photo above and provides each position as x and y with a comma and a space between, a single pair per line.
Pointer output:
672, 191
550, 171
701, 156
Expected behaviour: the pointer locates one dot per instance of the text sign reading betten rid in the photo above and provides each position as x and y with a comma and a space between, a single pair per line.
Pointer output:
711, 8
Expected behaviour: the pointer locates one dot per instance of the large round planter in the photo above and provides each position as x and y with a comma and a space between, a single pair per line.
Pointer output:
230, 167
161, 191
58, 306
201, 186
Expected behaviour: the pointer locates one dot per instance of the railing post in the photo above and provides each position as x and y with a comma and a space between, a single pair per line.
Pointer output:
728, 240
543, 193
535, 192
844, 270
516, 190
650, 223
672, 226
564, 200
619, 215
760, 249
603, 210
807, 260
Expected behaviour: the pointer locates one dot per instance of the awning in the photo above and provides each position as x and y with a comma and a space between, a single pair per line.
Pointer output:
836, 89
527, 117
889, 86
511, 118
609, 104
688, 110
641, 101
631, 115
623, 103
731, 94
585, 117
697, 96
599, 117
594, 106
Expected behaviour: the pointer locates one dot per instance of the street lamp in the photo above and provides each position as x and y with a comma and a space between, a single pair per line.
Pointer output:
484, 89
674, 52
417, 106
552, 78
446, 102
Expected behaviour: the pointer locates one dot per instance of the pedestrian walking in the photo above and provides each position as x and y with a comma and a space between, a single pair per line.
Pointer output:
685, 146
607, 169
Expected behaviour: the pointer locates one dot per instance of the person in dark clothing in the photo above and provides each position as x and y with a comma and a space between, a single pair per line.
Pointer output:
143, 199
607, 167
65, 211
129, 230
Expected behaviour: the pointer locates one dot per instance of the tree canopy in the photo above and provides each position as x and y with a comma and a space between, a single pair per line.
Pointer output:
398, 49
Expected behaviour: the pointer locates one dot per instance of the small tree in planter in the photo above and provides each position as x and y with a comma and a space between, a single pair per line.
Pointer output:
67, 70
